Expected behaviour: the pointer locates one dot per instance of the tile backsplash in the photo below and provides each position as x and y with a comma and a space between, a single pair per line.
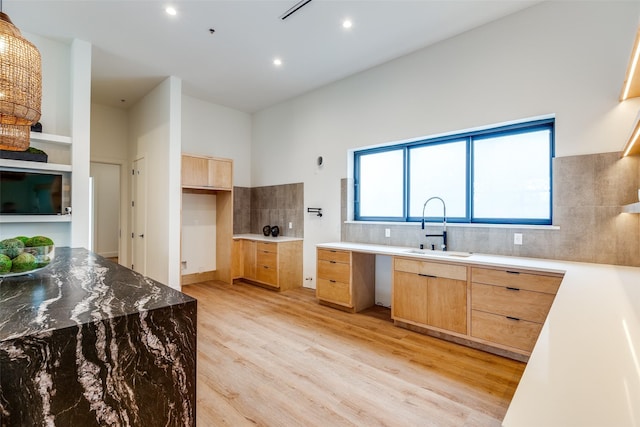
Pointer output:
588, 193
253, 208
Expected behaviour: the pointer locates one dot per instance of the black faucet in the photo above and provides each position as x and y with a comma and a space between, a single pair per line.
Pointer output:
444, 222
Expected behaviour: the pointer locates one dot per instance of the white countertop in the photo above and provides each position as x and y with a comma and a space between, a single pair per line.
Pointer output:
585, 367
263, 238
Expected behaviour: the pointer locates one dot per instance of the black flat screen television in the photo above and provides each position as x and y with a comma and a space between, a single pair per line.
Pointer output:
30, 193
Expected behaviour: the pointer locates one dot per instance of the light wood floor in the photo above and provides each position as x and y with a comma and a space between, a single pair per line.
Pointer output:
281, 359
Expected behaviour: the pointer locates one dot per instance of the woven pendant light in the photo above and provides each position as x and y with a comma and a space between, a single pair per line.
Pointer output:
20, 86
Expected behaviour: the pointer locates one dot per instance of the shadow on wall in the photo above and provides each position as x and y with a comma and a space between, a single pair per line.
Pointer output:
253, 208
588, 192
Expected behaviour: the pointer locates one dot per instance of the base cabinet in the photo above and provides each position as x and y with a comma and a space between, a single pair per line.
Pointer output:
496, 309
345, 279
276, 265
430, 294
509, 306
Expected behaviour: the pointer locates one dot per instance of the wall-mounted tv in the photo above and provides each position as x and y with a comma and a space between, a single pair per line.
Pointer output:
30, 193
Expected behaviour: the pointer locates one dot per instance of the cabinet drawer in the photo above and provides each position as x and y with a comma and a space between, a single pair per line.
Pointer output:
267, 247
334, 255
267, 274
333, 291
448, 271
268, 259
527, 305
520, 334
332, 270
516, 279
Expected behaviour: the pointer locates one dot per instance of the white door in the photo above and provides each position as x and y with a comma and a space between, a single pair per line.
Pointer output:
106, 212
139, 217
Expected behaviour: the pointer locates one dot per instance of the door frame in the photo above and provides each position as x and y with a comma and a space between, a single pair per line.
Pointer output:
123, 253
131, 210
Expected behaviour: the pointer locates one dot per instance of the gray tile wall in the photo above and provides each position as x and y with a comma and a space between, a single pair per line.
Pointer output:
588, 192
270, 205
241, 210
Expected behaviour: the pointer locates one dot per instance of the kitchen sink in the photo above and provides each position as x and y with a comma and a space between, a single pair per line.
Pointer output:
438, 253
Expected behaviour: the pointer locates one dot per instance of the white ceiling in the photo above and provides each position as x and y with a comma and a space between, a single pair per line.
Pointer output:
136, 44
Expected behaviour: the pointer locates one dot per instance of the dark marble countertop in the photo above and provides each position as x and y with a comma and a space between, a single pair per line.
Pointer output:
78, 287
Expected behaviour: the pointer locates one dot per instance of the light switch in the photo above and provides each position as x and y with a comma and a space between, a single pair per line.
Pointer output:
387, 232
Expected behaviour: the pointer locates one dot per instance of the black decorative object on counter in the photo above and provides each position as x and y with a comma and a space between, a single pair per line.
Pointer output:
30, 154
275, 230
89, 342
266, 230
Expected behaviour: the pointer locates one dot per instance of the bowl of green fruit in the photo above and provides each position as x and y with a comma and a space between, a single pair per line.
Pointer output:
23, 255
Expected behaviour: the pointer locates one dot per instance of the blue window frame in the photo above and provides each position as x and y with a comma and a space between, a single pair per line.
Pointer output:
501, 175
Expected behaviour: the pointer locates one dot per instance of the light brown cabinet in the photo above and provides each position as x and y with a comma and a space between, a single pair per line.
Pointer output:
430, 294
249, 257
206, 172
346, 279
509, 306
275, 265
204, 176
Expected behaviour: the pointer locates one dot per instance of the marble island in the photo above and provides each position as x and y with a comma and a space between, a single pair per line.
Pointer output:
88, 342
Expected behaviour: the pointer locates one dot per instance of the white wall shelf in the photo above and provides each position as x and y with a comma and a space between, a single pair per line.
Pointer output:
632, 208
50, 138
34, 218
23, 164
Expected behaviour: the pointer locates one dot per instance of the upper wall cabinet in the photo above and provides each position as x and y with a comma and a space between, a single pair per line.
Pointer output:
206, 172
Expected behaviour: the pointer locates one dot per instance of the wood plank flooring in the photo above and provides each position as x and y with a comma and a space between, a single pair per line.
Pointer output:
281, 359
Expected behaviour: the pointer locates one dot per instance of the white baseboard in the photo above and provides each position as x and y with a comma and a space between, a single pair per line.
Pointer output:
108, 254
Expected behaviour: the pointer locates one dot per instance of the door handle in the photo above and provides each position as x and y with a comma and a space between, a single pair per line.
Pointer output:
141, 235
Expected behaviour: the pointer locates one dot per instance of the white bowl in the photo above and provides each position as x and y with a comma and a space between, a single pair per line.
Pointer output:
44, 256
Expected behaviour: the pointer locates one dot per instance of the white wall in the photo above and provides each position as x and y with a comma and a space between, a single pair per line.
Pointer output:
213, 130
56, 84
562, 58
106, 215
80, 98
198, 232
154, 133
109, 144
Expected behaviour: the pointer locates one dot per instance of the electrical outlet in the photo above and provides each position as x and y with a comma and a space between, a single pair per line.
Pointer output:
517, 238
387, 232
290, 225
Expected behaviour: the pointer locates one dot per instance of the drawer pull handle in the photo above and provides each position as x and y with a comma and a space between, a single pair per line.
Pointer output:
512, 272
332, 281
427, 275
512, 289
512, 318
332, 262
333, 252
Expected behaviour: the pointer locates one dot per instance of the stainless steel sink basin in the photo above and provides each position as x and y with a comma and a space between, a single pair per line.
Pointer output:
438, 253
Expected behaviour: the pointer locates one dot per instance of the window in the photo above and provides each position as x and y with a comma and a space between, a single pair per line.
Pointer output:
500, 175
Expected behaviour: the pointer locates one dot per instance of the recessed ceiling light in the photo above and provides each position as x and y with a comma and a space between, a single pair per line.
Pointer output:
346, 24
171, 11
277, 62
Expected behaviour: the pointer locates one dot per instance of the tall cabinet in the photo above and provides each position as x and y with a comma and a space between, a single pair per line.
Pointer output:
211, 177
